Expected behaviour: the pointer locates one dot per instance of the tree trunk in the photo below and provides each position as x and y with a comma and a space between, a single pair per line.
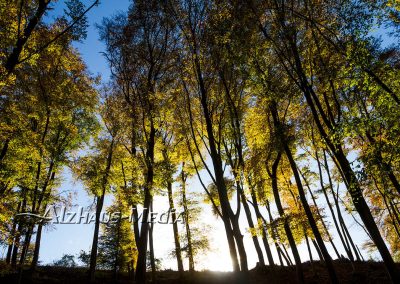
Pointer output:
321, 257
9, 251
42, 196
25, 246
230, 224
13, 232
13, 58
310, 217
338, 228
117, 263
264, 233
187, 225
254, 237
348, 174
93, 252
175, 229
4, 151
287, 254
319, 214
37, 246
274, 181
99, 207
279, 130
309, 249
347, 236
239, 243
140, 276
277, 246
14, 254
151, 249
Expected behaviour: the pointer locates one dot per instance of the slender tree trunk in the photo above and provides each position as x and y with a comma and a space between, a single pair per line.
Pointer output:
21, 225
12, 233
338, 228
14, 254
287, 254
264, 233
306, 207
277, 246
394, 216
281, 255
151, 249
321, 257
44, 195
187, 219
117, 262
140, 276
274, 181
136, 224
320, 216
93, 252
25, 246
4, 151
239, 243
99, 207
237, 135
309, 250
175, 229
254, 237
231, 226
310, 217
9, 251
37, 246
359, 252
347, 236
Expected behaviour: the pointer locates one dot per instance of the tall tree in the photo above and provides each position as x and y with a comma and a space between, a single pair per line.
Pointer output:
95, 169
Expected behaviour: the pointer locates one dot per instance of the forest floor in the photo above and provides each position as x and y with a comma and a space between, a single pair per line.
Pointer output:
363, 272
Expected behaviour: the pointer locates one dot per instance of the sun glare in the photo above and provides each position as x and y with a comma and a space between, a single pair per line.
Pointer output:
216, 261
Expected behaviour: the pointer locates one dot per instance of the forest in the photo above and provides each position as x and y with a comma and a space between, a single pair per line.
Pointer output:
278, 119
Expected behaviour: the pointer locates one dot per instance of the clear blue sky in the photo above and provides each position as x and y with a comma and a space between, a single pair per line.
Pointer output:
70, 239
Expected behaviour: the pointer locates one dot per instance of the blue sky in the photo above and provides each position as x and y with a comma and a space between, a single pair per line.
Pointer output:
62, 239
92, 47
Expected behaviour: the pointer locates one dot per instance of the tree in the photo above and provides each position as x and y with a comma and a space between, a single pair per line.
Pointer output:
147, 50
67, 260
202, 95
96, 169
116, 250
48, 116
287, 34
22, 29
289, 107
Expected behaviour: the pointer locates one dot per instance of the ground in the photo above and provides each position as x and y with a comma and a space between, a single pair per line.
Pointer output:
361, 272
